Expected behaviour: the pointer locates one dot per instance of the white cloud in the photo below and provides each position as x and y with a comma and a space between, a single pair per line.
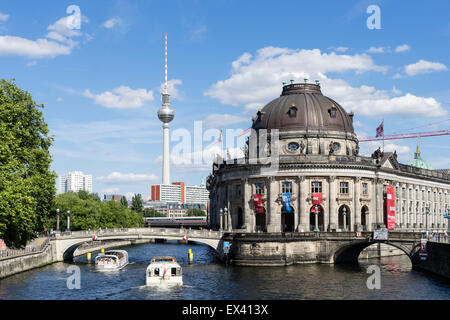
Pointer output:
117, 177
172, 88
341, 49
216, 120
402, 48
4, 17
57, 42
423, 66
111, 23
31, 63
40, 48
257, 80
122, 97
376, 50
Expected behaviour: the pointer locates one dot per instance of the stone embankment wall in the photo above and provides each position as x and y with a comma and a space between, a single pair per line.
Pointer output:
13, 265
380, 250
438, 260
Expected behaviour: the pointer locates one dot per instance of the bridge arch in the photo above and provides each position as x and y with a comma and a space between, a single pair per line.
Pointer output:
349, 252
66, 246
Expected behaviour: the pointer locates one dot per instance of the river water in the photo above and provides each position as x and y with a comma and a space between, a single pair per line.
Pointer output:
208, 279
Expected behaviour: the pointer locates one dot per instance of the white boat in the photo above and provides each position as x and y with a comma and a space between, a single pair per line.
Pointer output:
111, 260
164, 270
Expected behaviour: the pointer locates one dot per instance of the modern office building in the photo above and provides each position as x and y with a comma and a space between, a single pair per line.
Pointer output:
75, 181
178, 192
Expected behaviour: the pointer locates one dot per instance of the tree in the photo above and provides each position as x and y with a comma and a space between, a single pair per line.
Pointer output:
150, 212
27, 186
136, 203
88, 213
195, 213
124, 201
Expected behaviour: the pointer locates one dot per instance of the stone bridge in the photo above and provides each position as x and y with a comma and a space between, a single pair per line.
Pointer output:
312, 247
66, 243
253, 248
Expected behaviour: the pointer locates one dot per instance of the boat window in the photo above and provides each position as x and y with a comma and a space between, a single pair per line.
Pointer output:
156, 271
173, 271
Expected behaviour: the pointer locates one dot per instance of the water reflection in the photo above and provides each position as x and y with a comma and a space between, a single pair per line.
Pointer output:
209, 279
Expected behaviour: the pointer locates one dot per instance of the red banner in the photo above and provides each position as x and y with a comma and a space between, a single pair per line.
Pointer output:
390, 207
317, 198
258, 204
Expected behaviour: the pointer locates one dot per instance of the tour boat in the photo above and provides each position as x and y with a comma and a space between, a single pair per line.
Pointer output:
164, 270
111, 260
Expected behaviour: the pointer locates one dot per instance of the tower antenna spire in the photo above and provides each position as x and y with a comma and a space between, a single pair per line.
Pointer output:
165, 66
166, 114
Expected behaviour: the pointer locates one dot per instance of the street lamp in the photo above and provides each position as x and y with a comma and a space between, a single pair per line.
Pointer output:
68, 220
221, 219
316, 212
57, 219
344, 213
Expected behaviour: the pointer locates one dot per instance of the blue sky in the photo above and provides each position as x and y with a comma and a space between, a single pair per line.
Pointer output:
100, 84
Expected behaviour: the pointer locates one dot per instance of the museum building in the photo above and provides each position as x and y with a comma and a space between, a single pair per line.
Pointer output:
320, 181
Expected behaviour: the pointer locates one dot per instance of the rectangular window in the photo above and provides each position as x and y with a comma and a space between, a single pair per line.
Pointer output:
238, 190
286, 187
343, 188
365, 191
316, 186
259, 188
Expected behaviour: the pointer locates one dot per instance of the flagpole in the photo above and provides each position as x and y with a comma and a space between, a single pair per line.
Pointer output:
383, 134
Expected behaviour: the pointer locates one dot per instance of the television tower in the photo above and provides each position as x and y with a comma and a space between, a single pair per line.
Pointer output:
166, 114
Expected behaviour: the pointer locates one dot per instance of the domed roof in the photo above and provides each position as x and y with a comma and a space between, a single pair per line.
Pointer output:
419, 162
303, 106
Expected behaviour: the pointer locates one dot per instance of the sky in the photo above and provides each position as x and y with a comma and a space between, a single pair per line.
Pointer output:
98, 68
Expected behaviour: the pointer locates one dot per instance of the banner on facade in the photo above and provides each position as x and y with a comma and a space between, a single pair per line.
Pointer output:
317, 198
286, 201
390, 207
258, 204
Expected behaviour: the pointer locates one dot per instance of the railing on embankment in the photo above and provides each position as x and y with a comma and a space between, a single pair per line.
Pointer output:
13, 253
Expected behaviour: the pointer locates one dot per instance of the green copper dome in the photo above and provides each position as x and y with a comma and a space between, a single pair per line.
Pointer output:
419, 162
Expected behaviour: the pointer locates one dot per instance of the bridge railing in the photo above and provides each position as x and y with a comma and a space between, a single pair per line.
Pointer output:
140, 231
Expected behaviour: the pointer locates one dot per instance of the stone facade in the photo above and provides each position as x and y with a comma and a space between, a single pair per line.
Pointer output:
290, 153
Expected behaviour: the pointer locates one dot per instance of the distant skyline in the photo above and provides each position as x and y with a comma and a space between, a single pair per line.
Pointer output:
101, 83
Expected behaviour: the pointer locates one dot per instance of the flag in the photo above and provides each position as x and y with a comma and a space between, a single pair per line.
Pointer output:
220, 137
380, 130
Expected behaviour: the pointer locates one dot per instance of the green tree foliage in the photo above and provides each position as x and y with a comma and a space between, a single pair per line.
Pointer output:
27, 186
195, 213
88, 213
124, 201
150, 212
136, 203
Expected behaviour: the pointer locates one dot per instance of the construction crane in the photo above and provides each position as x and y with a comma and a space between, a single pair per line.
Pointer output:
407, 135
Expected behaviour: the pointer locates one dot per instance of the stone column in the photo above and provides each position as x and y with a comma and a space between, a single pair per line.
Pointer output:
379, 201
302, 205
274, 224
229, 221
249, 215
333, 214
357, 204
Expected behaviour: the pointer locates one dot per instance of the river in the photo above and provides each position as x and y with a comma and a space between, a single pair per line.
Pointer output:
208, 279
